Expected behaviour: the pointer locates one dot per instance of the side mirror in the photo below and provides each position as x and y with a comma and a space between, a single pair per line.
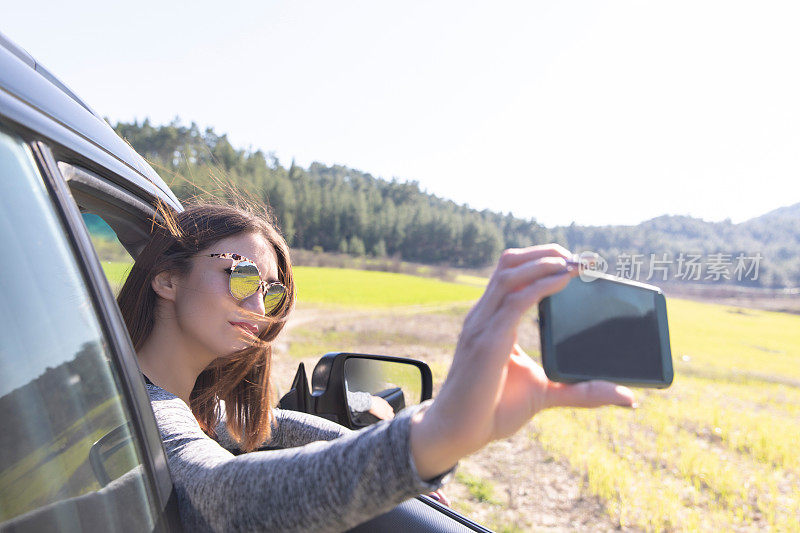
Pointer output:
357, 390
104, 454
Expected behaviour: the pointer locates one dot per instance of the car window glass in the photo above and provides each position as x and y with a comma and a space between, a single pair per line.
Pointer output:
68, 460
114, 258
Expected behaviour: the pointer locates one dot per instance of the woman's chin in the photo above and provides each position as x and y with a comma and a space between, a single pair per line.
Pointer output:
243, 342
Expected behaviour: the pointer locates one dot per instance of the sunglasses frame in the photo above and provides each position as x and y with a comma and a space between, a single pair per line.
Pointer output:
263, 285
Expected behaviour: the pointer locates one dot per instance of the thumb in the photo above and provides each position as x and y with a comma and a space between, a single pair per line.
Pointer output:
588, 394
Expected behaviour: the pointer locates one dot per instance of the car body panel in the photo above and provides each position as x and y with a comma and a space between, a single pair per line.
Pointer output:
31, 99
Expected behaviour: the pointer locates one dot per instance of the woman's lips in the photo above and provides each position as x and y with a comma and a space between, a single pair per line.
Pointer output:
250, 328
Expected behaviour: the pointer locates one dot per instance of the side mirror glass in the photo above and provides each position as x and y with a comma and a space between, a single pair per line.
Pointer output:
357, 390
377, 389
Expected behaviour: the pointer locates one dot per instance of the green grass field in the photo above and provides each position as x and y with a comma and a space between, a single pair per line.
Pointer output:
361, 288
116, 272
717, 450
354, 288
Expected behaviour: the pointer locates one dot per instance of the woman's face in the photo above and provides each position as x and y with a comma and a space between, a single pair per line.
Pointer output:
207, 315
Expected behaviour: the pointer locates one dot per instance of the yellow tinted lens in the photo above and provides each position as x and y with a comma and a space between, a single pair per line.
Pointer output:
273, 297
244, 280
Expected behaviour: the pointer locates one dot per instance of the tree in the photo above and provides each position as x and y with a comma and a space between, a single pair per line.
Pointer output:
356, 247
379, 250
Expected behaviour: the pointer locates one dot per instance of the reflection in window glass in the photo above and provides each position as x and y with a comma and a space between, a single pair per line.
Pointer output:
58, 394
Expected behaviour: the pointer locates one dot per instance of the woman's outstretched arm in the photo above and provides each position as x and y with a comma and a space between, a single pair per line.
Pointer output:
323, 486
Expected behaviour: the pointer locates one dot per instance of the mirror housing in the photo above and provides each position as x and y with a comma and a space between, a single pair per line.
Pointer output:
328, 395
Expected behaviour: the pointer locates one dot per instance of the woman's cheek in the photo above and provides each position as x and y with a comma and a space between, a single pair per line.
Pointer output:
202, 314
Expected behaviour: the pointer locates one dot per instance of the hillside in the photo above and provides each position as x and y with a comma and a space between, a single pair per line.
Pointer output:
339, 209
774, 235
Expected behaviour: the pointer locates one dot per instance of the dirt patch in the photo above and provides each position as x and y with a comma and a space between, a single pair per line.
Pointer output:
533, 491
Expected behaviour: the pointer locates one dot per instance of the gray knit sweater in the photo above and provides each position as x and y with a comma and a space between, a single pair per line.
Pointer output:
325, 477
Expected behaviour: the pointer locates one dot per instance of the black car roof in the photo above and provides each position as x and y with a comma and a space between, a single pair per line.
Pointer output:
26, 81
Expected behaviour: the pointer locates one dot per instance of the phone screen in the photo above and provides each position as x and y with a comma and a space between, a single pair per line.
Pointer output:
606, 328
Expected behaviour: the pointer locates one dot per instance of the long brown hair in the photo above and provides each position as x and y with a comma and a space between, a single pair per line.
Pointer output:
242, 380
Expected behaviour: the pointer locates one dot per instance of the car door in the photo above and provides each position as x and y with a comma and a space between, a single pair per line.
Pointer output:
79, 448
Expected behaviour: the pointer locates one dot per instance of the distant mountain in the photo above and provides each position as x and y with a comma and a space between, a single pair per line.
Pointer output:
720, 245
790, 212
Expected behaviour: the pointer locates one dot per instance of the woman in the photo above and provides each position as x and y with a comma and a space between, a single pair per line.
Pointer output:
202, 326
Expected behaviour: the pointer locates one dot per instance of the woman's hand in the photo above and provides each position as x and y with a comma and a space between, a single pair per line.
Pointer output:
493, 387
380, 408
440, 497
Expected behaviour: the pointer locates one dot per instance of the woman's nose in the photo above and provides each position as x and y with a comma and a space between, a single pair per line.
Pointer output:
254, 303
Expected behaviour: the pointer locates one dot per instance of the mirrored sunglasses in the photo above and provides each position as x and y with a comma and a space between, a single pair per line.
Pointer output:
246, 280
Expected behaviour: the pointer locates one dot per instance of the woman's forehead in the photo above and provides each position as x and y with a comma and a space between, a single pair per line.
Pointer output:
254, 247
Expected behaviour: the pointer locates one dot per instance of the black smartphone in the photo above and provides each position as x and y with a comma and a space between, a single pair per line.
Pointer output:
604, 327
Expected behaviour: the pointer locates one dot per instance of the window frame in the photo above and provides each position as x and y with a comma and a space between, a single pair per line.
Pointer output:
120, 349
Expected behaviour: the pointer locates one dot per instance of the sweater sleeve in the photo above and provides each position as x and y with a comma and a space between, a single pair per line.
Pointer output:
322, 486
289, 429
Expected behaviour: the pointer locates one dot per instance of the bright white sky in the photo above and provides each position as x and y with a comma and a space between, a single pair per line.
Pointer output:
594, 111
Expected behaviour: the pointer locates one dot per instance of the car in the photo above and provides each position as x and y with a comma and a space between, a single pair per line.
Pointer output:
79, 448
